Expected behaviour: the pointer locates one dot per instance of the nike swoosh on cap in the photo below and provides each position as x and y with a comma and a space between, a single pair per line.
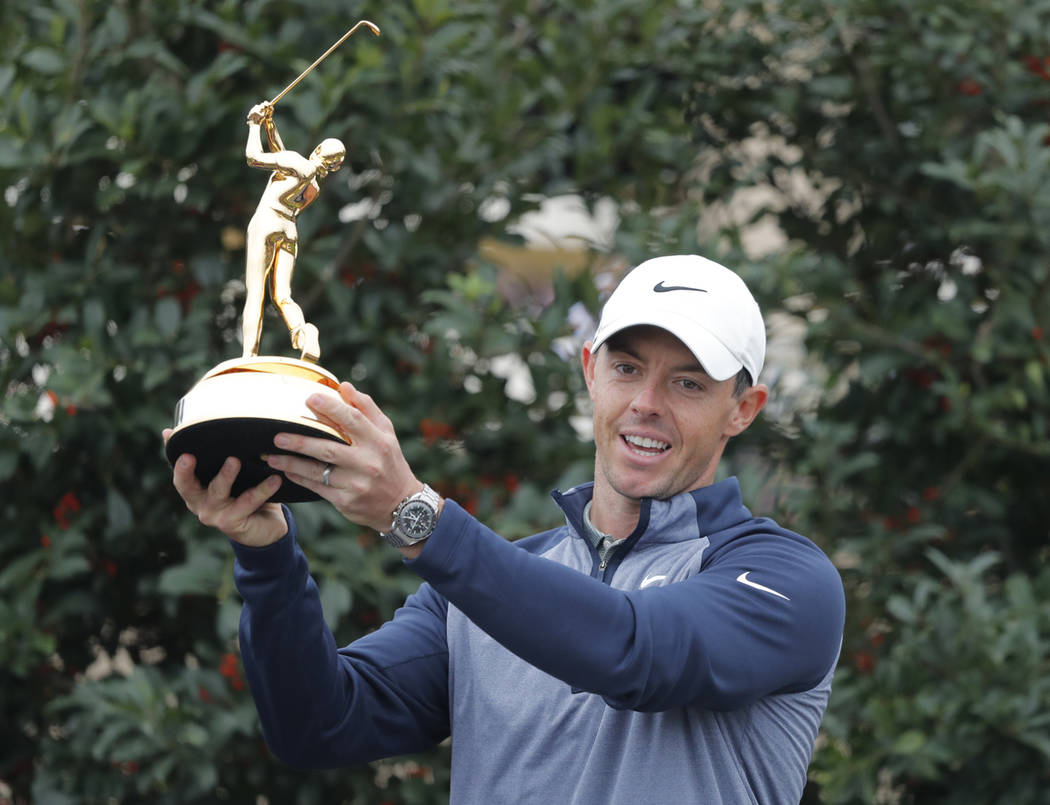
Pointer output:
743, 579
661, 288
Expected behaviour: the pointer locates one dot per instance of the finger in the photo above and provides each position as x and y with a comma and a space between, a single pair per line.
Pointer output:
186, 483
308, 480
338, 414
298, 468
165, 435
222, 483
253, 499
326, 451
183, 473
366, 405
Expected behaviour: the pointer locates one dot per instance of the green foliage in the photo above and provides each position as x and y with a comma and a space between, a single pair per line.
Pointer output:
903, 151
156, 735
954, 708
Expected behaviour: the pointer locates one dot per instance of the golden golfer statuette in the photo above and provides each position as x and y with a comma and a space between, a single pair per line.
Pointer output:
239, 406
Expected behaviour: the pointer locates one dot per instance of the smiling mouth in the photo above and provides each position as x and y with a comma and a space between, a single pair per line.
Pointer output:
645, 446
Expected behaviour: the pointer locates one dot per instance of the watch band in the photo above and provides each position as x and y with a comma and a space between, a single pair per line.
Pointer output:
414, 519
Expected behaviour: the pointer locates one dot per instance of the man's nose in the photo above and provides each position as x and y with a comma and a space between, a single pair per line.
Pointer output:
649, 400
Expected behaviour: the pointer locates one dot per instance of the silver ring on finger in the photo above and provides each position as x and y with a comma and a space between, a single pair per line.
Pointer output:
326, 475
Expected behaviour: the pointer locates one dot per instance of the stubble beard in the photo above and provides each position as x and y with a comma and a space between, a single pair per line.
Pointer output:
659, 489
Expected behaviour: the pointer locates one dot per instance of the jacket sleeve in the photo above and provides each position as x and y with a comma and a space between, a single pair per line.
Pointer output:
707, 641
384, 694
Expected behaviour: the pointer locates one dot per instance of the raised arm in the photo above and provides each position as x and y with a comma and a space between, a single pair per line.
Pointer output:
272, 137
322, 706
705, 641
278, 157
253, 149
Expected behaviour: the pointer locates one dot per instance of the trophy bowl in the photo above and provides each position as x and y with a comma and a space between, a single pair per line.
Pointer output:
239, 406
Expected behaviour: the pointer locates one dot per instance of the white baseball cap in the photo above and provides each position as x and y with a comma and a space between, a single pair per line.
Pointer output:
704, 304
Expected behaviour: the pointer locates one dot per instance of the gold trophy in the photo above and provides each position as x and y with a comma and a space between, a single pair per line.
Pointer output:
239, 406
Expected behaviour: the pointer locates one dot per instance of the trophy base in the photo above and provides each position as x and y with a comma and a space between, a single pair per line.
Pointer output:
238, 407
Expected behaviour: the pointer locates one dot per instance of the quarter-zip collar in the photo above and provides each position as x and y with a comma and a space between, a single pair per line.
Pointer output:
689, 515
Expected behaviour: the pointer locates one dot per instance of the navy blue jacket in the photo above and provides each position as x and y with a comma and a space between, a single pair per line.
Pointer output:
695, 667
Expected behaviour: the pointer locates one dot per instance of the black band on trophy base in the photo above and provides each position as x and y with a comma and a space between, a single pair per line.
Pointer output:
238, 407
246, 439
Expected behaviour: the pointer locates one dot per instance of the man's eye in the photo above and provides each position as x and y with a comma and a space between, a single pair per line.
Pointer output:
691, 385
625, 369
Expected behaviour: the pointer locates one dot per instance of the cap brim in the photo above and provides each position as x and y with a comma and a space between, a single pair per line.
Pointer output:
712, 354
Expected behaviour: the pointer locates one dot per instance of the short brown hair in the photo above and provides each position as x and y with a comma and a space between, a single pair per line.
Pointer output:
742, 382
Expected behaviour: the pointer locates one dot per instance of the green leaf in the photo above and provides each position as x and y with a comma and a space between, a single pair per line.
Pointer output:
118, 512
336, 600
94, 316
168, 316
201, 574
194, 735
909, 742
67, 567
44, 60
901, 608
11, 154
8, 464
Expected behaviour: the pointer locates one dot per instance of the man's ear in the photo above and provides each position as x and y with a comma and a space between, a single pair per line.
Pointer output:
748, 405
588, 359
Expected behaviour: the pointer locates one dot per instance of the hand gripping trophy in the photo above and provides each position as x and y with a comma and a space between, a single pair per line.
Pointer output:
238, 407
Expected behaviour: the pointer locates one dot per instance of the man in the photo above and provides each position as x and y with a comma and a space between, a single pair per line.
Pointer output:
272, 238
662, 646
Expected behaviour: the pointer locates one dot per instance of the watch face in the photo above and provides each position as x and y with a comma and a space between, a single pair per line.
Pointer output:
416, 520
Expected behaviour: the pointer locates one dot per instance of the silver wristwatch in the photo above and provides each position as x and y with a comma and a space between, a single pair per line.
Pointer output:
414, 519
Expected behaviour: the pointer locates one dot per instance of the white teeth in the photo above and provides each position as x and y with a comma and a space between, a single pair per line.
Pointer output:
645, 443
